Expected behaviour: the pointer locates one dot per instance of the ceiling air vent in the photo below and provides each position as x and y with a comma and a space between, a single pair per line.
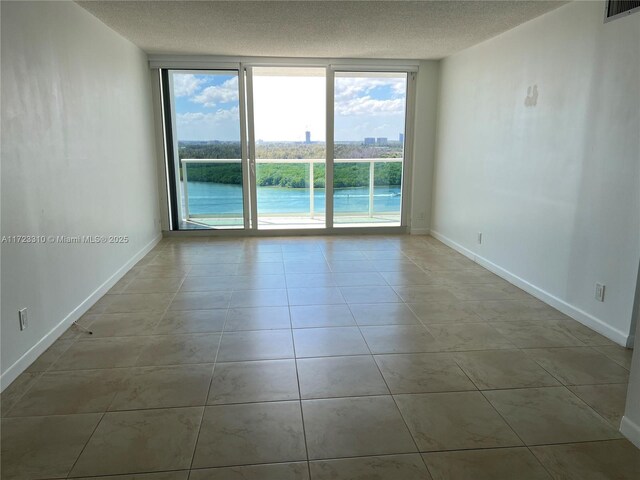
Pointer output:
620, 8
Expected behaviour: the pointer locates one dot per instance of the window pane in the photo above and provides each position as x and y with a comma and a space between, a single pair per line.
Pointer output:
290, 124
209, 165
369, 126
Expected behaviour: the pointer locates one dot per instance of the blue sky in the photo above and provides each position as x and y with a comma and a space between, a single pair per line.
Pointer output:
285, 107
206, 106
369, 107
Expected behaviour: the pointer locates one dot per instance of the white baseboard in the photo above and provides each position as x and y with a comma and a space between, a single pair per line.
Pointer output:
11, 373
419, 231
631, 430
456, 246
572, 311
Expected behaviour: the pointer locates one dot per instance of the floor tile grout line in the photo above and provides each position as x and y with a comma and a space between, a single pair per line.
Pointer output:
548, 387
86, 443
206, 401
330, 397
115, 476
218, 332
48, 369
593, 410
523, 443
478, 389
108, 406
540, 462
455, 360
419, 452
404, 421
295, 359
561, 384
21, 396
523, 350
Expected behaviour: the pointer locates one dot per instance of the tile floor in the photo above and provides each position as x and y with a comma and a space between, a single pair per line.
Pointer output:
387, 357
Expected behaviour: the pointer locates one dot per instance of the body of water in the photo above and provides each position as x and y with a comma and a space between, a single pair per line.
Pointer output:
218, 198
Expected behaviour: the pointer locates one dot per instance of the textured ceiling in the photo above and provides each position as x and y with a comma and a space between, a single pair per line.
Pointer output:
333, 29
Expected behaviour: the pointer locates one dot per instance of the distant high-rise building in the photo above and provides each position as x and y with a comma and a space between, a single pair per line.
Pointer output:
369, 141
307, 137
401, 137
382, 141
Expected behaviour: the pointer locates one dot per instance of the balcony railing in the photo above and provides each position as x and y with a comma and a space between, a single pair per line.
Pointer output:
186, 162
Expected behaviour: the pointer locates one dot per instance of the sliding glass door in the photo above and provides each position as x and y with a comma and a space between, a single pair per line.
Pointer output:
369, 126
249, 147
289, 124
207, 147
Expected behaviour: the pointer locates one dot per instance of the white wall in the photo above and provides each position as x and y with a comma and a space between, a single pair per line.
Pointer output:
555, 187
630, 425
78, 158
424, 145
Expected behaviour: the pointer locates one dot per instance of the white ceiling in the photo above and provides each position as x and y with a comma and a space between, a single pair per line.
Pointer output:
333, 29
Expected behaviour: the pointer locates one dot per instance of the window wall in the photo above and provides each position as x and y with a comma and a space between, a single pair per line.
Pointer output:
249, 147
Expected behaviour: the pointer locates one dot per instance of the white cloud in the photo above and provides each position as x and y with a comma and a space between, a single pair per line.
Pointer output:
223, 124
370, 106
353, 97
185, 84
399, 87
349, 87
220, 115
215, 94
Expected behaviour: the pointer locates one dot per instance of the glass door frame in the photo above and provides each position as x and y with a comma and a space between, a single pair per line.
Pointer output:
330, 136
407, 160
171, 140
244, 69
251, 147
248, 68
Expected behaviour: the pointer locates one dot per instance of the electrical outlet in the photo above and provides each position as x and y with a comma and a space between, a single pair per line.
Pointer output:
480, 237
600, 292
22, 316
